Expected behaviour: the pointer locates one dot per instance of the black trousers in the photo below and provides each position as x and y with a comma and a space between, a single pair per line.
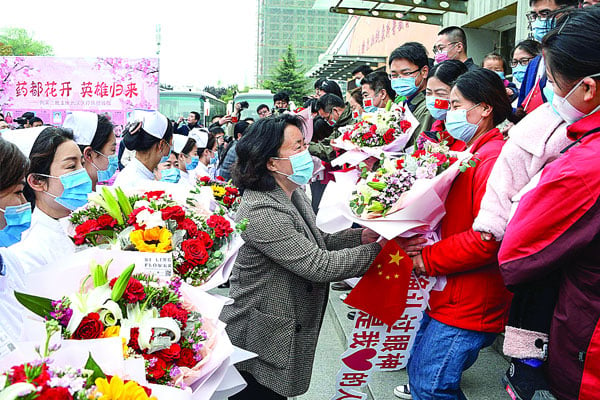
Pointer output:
533, 304
255, 390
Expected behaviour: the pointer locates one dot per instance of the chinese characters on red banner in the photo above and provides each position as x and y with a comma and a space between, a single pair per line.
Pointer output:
65, 89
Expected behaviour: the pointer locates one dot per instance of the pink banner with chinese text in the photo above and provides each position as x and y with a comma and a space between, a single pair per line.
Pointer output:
52, 86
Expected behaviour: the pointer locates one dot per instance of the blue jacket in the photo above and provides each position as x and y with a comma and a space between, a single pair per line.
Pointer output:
529, 80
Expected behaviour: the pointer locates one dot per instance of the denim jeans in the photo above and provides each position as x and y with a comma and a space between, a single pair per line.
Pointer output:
439, 356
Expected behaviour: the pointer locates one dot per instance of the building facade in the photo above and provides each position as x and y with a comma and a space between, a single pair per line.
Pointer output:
295, 22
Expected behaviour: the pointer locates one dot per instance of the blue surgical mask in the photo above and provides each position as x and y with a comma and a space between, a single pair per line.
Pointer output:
500, 74
192, 164
404, 86
76, 187
18, 219
214, 159
164, 159
370, 109
548, 91
518, 72
459, 127
540, 27
433, 104
357, 82
302, 167
113, 164
170, 175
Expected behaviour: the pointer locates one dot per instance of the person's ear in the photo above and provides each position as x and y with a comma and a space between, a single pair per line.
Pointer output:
88, 152
591, 87
271, 165
487, 110
425, 71
38, 184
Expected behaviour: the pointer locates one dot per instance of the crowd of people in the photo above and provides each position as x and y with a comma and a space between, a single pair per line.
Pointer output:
518, 243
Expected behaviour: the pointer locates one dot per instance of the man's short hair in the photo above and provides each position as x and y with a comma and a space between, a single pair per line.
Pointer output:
281, 96
363, 69
411, 51
196, 115
377, 81
455, 34
560, 3
328, 101
260, 107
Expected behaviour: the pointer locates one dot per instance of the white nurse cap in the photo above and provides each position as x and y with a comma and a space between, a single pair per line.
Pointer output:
200, 136
152, 121
83, 124
179, 142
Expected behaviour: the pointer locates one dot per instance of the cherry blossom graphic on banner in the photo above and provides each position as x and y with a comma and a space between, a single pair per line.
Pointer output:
52, 86
375, 346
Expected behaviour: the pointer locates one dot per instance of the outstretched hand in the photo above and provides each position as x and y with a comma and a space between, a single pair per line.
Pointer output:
412, 246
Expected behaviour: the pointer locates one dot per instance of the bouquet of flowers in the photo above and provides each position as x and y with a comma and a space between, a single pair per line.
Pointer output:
152, 222
382, 191
224, 192
385, 130
152, 319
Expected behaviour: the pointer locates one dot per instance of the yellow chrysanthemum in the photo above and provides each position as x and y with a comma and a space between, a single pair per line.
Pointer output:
155, 240
117, 390
218, 191
111, 331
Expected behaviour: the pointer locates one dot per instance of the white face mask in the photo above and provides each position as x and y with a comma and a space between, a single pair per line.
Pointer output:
566, 110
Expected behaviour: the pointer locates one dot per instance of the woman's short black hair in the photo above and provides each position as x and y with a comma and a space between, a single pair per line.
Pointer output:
533, 47
189, 145
103, 131
485, 86
572, 53
142, 140
42, 155
329, 86
448, 71
261, 142
15, 165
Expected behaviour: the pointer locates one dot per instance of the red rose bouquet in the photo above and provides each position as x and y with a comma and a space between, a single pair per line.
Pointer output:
225, 193
153, 222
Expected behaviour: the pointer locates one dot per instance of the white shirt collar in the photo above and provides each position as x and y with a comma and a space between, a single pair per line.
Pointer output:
137, 164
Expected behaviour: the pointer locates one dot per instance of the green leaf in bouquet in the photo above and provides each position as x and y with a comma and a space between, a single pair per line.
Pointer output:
92, 365
41, 306
114, 210
376, 206
377, 185
472, 163
360, 209
121, 283
242, 225
123, 201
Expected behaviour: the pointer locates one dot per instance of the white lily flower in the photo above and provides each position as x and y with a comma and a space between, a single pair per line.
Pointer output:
17, 390
141, 203
111, 314
84, 303
150, 219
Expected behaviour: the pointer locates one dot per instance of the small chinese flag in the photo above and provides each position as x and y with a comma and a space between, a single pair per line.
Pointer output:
441, 104
367, 102
534, 99
383, 289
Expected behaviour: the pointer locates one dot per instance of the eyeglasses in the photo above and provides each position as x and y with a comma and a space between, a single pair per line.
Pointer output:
405, 74
545, 14
442, 47
523, 62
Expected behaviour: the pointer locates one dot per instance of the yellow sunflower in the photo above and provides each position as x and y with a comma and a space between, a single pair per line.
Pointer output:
117, 390
155, 240
218, 191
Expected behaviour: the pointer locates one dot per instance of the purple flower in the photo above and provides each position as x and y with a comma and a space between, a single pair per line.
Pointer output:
175, 371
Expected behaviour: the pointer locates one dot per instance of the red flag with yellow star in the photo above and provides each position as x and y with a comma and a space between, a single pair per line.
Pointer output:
383, 289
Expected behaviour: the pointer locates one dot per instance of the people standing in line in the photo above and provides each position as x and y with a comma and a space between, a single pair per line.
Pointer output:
96, 139
472, 308
193, 121
495, 62
451, 44
550, 249
409, 66
151, 136
359, 73
376, 90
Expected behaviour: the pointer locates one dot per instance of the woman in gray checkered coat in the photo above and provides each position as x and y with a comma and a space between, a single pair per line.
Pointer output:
280, 280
